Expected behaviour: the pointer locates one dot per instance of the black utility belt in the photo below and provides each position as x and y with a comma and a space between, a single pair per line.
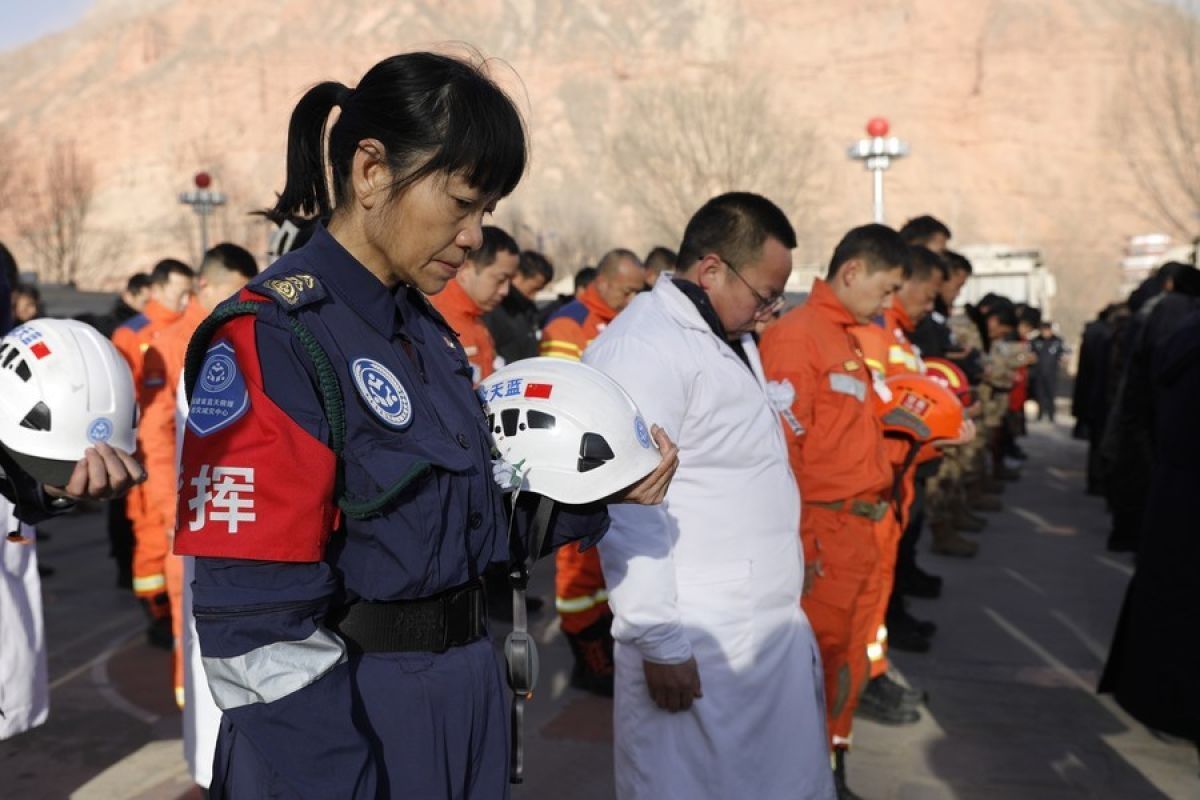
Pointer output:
430, 624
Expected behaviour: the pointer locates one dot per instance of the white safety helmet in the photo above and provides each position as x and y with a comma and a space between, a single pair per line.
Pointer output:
574, 433
63, 388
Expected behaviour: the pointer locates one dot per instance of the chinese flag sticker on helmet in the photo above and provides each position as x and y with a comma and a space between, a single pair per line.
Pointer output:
577, 434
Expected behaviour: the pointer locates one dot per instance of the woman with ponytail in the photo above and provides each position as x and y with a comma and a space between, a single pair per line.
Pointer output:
336, 474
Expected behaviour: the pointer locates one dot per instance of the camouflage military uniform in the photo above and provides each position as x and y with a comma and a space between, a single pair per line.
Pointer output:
945, 492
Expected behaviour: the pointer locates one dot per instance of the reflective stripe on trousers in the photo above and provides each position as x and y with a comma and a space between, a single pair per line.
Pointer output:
273, 671
574, 605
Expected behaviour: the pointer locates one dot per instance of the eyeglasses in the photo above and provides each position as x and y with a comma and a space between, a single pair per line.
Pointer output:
766, 305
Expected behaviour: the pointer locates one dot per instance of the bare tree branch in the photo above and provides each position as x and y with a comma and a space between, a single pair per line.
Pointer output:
677, 146
1158, 117
53, 220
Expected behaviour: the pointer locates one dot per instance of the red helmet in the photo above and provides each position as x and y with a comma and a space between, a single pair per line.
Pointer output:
921, 407
950, 375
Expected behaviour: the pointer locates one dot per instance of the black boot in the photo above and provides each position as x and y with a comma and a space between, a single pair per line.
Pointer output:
159, 632
906, 697
916, 582
880, 704
839, 776
906, 632
593, 651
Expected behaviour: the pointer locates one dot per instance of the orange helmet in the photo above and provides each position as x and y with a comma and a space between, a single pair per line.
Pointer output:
922, 408
950, 375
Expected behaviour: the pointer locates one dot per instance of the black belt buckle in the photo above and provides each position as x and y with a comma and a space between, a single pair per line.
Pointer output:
460, 617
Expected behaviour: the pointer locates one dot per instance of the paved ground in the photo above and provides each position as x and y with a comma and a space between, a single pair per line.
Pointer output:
1012, 711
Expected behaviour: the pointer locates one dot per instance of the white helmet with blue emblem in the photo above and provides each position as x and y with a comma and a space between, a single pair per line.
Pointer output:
569, 429
63, 388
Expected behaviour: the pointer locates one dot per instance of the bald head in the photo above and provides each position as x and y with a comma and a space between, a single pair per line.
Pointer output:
619, 277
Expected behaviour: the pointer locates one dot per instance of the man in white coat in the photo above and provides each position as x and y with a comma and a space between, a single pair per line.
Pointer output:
718, 689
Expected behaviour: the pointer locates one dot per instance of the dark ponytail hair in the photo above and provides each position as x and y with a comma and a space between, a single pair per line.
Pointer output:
432, 113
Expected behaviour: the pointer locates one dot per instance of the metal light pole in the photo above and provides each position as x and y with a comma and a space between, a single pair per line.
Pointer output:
203, 202
877, 153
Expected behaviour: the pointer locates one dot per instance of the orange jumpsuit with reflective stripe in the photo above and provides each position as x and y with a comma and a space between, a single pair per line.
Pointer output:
157, 441
465, 317
888, 352
133, 339
835, 443
580, 594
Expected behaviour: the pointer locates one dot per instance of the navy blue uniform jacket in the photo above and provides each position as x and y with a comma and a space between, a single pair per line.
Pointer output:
303, 717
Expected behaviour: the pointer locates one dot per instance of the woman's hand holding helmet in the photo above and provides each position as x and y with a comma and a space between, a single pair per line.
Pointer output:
103, 473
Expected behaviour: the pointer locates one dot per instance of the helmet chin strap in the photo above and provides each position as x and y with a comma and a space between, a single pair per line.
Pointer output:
520, 649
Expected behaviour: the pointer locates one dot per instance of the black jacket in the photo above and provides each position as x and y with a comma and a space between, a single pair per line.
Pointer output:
514, 327
1151, 666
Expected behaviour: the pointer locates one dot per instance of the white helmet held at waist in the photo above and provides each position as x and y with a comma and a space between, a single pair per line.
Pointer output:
63, 388
575, 434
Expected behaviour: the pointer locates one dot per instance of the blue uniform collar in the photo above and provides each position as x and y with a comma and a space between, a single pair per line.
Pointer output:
383, 309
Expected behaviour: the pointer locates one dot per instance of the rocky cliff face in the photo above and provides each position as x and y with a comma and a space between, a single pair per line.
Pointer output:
1007, 105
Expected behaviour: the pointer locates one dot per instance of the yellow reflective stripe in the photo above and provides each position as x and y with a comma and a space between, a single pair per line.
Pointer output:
875, 366
149, 583
875, 651
561, 349
179, 696
574, 605
559, 354
881, 634
898, 355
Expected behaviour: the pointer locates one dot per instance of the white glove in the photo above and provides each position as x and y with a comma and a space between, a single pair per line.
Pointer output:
781, 395
509, 476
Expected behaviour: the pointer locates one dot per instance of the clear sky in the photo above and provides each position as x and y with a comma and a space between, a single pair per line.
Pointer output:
22, 21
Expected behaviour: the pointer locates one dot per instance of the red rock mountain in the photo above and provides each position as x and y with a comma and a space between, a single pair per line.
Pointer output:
1007, 105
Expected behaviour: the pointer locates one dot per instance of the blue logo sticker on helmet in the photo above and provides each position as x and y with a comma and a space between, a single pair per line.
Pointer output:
101, 430
220, 397
643, 433
383, 393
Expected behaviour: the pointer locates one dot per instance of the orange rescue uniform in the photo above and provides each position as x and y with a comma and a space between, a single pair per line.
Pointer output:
581, 597
133, 339
465, 317
157, 440
888, 353
835, 443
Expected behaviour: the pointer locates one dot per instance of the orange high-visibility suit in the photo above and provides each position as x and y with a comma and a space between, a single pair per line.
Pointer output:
580, 595
835, 443
888, 352
465, 316
157, 440
133, 339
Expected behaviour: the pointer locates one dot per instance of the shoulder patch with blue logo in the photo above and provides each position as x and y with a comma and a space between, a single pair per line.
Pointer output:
219, 398
383, 392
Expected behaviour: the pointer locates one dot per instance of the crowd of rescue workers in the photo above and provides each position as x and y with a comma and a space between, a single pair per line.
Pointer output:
901, 411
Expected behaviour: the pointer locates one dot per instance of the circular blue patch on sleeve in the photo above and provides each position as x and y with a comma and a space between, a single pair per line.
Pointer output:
383, 392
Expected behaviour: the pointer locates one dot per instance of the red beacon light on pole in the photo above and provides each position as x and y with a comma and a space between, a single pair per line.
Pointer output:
203, 202
877, 153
